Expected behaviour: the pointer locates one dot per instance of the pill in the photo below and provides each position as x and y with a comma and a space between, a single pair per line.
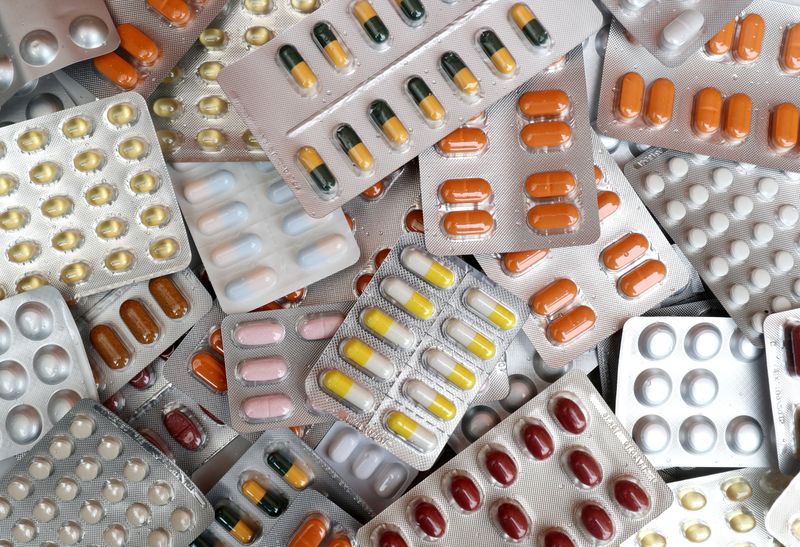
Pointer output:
183, 426
738, 113
321, 251
760, 278
320, 326
261, 408
412, 11
458, 73
139, 321
630, 96
572, 324
512, 520
372, 24
546, 135
209, 370
520, 262
538, 441
367, 461
742, 205
783, 261
790, 52
784, 123
722, 178
596, 521
373, 192
721, 42
465, 493
137, 44
631, 496
751, 34
450, 369
231, 520
425, 267
472, 340
348, 390
360, 354
642, 278
717, 266
176, 12
678, 167
607, 204
696, 238
406, 428
739, 294
169, 297
584, 468
624, 251
462, 191
502, 60
387, 328
550, 184
262, 369
470, 223
390, 125
117, 70
788, 215
548, 103
288, 466
698, 195
355, 149
464, 141
432, 401
215, 340
109, 346
430, 107
301, 73
553, 217
343, 445
429, 519
531, 28
488, 308
259, 333
660, 100
330, 44
682, 29
311, 532
762, 233
400, 293
389, 480
390, 538
361, 283
553, 297
707, 112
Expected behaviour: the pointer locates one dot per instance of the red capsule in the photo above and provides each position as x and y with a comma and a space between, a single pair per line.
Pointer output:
585, 468
115, 403
362, 282
597, 522
501, 467
465, 493
569, 415
390, 538
430, 519
143, 379
414, 222
538, 441
794, 352
631, 496
183, 427
557, 538
380, 256
512, 520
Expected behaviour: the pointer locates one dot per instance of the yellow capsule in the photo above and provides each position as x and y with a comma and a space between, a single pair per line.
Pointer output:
45, 173
122, 114
209, 70
57, 206
2, 293
14, 218
167, 107
24, 251
8, 183
145, 182
163, 249
111, 228
466, 81
692, 500
175, 75
77, 127
696, 531
213, 38
169, 140
431, 108
430, 399
133, 149
250, 141
75, 273
88, 161
31, 282
737, 489
649, 538
305, 6
100, 194
258, 36
212, 107
407, 428
740, 520
33, 140
67, 240
155, 216
259, 7
210, 140
119, 261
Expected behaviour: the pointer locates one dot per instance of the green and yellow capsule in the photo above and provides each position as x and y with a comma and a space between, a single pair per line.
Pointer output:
389, 124
371, 23
272, 503
302, 74
333, 48
412, 11
501, 58
358, 153
311, 161
428, 104
461, 76
231, 520
290, 468
529, 25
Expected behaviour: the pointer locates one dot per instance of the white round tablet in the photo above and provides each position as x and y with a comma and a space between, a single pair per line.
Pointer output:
760, 278
780, 303
698, 195
757, 321
717, 266
654, 184
767, 187
696, 238
738, 250
81, 427
783, 261
788, 215
675, 210
40, 468
678, 167
109, 447
718, 222
722, 178
742, 206
739, 295
762, 233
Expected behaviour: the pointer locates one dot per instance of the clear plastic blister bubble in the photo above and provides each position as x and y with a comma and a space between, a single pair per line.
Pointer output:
783, 517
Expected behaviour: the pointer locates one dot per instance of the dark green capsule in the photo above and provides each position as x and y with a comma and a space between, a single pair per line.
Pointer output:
452, 63
418, 89
412, 10
317, 169
289, 56
206, 539
272, 503
381, 112
231, 519
323, 34
490, 43
370, 21
347, 137
530, 26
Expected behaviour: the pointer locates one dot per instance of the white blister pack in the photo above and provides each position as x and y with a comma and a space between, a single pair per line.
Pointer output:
735, 222
545, 193
254, 238
783, 518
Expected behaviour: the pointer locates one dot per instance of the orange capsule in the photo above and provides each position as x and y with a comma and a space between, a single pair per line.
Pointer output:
340, 541
139, 321
751, 34
522, 261
168, 297
269, 306
350, 221
457, 191
707, 112
295, 296
553, 216
790, 53
660, 100
118, 71
463, 141
607, 204
215, 341
636, 282
549, 103
630, 97
624, 251
137, 44
467, 223
721, 42
550, 184
738, 112
311, 532
373, 192
783, 127
361, 283
545, 135
554, 297
176, 12
572, 324
414, 221
210, 371
109, 347
598, 175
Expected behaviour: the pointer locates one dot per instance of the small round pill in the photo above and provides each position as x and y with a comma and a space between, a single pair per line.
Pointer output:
654, 184
738, 250
717, 266
66, 489
40, 468
115, 536
696, 238
87, 469
780, 303
23, 531
742, 206
722, 178
675, 210
135, 470
70, 533
61, 447
767, 187
159, 538
109, 447
181, 519
796, 287
45, 510
5, 508
760, 278
91, 512
114, 491
159, 493
81, 426
718, 222
137, 514
757, 321
739, 294
698, 194
19, 488
788, 215
678, 167
762, 233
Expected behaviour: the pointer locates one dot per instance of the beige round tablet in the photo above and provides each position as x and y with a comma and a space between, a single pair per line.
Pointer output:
87, 469
45, 510
19, 488
61, 447
114, 491
82, 426
109, 447
159, 493
70, 533
159, 538
91, 512
181, 519
40, 468
135, 470
137, 514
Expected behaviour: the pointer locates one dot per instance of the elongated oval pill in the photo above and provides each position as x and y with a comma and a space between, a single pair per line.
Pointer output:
784, 126
552, 217
529, 25
790, 53
630, 96
546, 135
461, 191
472, 340
358, 353
372, 24
301, 73
355, 149
261, 408
624, 251
722, 42
430, 107
458, 73
554, 297
642, 278
262, 370
464, 141
751, 36
426, 268
387, 328
450, 369
682, 29
404, 296
572, 324
519, 262
139, 321
660, 100
489, 308
407, 428
347, 390
550, 184
707, 111
502, 60
429, 399
467, 223
547, 103
321, 251
738, 114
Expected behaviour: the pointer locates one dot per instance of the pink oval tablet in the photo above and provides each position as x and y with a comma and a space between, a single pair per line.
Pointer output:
264, 369
317, 327
259, 333
267, 407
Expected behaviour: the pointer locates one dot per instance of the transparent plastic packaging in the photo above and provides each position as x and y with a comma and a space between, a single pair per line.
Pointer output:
783, 518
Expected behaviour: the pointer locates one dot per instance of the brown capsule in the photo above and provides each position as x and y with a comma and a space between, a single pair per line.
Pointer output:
548, 103
467, 223
470, 190
707, 111
215, 341
572, 324
362, 282
738, 113
414, 222
607, 203
630, 97
554, 297
790, 54
624, 251
168, 297
522, 261
380, 256
373, 192
553, 216
139, 321
751, 35
642, 278
546, 135
464, 141
295, 296
660, 101
598, 175
109, 347
550, 184
784, 126
721, 42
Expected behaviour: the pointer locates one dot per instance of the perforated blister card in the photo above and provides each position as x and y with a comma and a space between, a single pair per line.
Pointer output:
145, 386
783, 517
40, 97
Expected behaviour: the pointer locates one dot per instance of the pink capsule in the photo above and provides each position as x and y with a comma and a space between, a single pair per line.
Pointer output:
318, 327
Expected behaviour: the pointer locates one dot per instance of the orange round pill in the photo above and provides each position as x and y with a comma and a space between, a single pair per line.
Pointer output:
572, 324
176, 12
117, 70
624, 251
630, 97
721, 42
109, 347
168, 297
751, 34
554, 297
471, 190
738, 113
414, 221
607, 203
215, 341
139, 321
548, 103
137, 44
790, 53
467, 223
660, 100
553, 216
545, 135
373, 192
522, 261
598, 175
707, 111
642, 278
464, 141
550, 184
784, 126
209, 370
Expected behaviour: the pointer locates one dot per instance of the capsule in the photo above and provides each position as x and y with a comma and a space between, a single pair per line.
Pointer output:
290, 468
316, 169
790, 52
607, 204
389, 124
210, 371
624, 251
642, 278
464, 141
463, 191
512, 520
707, 111
356, 150
630, 97
169, 297
75, 273
404, 296
429, 399
302, 74
231, 520
356, 352
519, 262
502, 60
721, 42
109, 347
311, 532
430, 107
176, 12
412, 11
119, 261
738, 113
461, 76
572, 324
164, 248
472, 340
784, 126
137, 44
406, 428
117, 70
549, 217
372, 24
660, 100
550, 184
139, 321
547, 103
348, 390
554, 297
751, 34
681, 30
450, 369
529, 25
467, 223
489, 308
546, 135
387, 328
425, 267
272, 503
331, 46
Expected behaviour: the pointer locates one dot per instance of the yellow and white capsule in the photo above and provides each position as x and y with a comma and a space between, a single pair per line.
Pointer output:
387, 328
450, 369
490, 309
409, 430
472, 340
400, 293
424, 267
431, 400
341, 386
356, 352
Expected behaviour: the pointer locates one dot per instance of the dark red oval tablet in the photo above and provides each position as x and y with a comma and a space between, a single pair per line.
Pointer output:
362, 282
597, 522
557, 538
414, 222
429, 519
512, 521
390, 538
569, 415
143, 379
631, 496
115, 403
380, 256
538, 441
183, 427
465, 493
501, 467
585, 468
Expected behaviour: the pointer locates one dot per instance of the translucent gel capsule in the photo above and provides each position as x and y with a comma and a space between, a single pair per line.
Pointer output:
122, 114
75, 273
258, 7
209, 70
30, 282
89, 161
22, 252
67, 240
213, 38
168, 108
8, 184
155, 216
169, 140
111, 228
119, 261
14, 219
133, 149
77, 127
213, 106
258, 36
101, 194
57, 206
45, 173
33, 140
164, 249
695, 531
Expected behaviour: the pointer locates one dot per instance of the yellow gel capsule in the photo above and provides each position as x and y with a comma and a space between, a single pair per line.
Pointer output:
133, 149
155, 216
102, 194
175, 75
8, 183
696, 531
212, 107
250, 141
122, 114
33, 140
211, 140
169, 140
45, 173
88, 161
111, 228
30, 282
209, 70
648, 538
737, 489
740, 521
213, 38
77, 127
259, 7
168, 108
164, 249
258, 36
22, 252
408, 429
119, 261
57, 206
692, 500
348, 390
67, 240
75, 273
13, 219
305, 6
145, 182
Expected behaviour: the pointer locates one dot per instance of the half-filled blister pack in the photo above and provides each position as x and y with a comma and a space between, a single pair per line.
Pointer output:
734, 99
560, 471
414, 351
735, 222
783, 517
518, 177
86, 204
692, 393
43, 96
373, 84
143, 387
632, 262
256, 242
93, 480
130, 327
43, 372
268, 355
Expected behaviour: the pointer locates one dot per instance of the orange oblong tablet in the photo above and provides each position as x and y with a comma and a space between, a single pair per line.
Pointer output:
139, 321
751, 34
783, 127
546, 135
467, 223
550, 184
738, 113
521, 261
572, 324
548, 103
642, 278
215, 341
109, 347
598, 175
660, 100
624, 251
548, 217
137, 44
707, 111
464, 141
117, 70
630, 97
554, 297
471, 190
311, 533
607, 203
721, 42
210, 371
169, 297
790, 52
176, 12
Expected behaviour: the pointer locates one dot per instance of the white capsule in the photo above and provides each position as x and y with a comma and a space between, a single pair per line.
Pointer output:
788, 215
298, 222
653, 184
322, 251
366, 462
722, 178
408, 299
762, 233
760, 278
698, 195
279, 193
450, 369
675, 210
211, 186
386, 327
717, 266
489, 308
739, 295
742, 206
738, 250
235, 251
783, 261
251, 284
424, 267
473, 341
696, 238
364, 356
227, 217
429, 399
343, 445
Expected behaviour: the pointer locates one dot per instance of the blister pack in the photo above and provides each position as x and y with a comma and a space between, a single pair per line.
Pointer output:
637, 270
502, 489
70, 183
783, 517
43, 371
692, 392
93, 480
414, 351
154, 35
545, 198
255, 240
143, 387
672, 30
40, 97
268, 355
736, 223
731, 100
447, 60
132, 325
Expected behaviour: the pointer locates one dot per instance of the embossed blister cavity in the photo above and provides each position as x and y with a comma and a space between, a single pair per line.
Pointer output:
783, 518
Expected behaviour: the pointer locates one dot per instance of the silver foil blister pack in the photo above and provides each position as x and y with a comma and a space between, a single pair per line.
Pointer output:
783, 518
414, 351
736, 223
546, 197
40, 97
86, 204
93, 480
255, 240
629, 270
561, 469
302, 141
142, 388
692, 392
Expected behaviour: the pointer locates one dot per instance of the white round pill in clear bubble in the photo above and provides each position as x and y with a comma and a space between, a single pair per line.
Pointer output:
744, 435
40, 468
738, 250
788, 215
159, 493
653, 184
718, 222
762, 233
696, 238
91, 512
767, 187
698, 435
66, 489
135, 470
757, 321
742, 206
721, 178
651, 433
114, 491
115, 536
739, 294
698, 195
45, 510
23, 531
181, 519
87, 469
678, 167
61, 447
81, 426
717, 266
5, 508
783, 261
760, 278
109, 447
19, 488
159, 538
675, 210
137, 514
780, 303
70, 533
